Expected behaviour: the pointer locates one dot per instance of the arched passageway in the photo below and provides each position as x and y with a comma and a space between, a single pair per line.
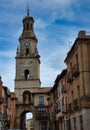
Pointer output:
26, 118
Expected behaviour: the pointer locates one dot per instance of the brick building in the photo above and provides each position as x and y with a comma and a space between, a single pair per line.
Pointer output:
4, 107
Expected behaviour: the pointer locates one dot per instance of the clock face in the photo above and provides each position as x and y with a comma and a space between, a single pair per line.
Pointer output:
27, 44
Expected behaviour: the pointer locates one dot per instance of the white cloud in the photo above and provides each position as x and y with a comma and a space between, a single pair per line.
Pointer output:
8, 54
17, 33
52, 3
52, 64
7, 72
48, 75
7, 68
40, 24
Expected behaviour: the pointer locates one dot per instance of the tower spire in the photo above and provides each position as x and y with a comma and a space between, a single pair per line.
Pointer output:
27, 10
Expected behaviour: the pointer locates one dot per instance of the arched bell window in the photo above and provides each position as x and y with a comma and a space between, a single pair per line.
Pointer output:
27, 26
27, 74
27, 51
31, 26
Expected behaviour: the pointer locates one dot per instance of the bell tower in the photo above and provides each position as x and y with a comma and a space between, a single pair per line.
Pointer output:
31, 97
27, 59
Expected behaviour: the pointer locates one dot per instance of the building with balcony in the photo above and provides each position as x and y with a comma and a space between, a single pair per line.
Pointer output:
70, 96
78, 83
59, 105
41, 108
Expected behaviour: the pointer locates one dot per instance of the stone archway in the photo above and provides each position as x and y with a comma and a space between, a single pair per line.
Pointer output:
23, 120
21, 111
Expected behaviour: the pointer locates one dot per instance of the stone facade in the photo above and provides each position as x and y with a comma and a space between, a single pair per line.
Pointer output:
58, 106
76, 81
78, 72
4, 106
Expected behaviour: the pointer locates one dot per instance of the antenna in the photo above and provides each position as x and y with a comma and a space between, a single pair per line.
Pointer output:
27, 10
69, 44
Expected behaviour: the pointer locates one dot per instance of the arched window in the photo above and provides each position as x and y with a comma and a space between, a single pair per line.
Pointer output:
31, 26
27, 51
26, 74
27, 25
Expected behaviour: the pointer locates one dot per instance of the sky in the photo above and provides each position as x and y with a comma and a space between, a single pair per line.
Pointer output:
56, 25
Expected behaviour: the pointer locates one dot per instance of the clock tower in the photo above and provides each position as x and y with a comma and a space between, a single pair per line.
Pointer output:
27, 59
31, 97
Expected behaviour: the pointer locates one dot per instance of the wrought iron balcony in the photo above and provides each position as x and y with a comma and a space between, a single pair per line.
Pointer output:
70, 108
63, 109
75, 71
69, 77
64, 89
76, 104
42, 112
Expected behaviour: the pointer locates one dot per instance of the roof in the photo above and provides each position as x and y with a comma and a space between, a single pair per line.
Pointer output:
58, 79
42, 90
13, 96
81, 36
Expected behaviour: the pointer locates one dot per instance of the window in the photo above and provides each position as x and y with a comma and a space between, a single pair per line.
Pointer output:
72, 95
81, 123
26, 74
76, 59
68, 124
31, 27
27, 25
41, 99
74, 121
78, 91
24, 26
43, 125
27, 51
71, 66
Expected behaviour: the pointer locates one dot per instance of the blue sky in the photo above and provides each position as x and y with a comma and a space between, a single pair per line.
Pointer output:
57, 23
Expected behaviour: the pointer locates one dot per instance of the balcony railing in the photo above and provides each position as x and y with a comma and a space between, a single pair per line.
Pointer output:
75, 71
63, 109
42, 116
1, 99
42, 112
70, 108
76, 104
69, 77
64, 89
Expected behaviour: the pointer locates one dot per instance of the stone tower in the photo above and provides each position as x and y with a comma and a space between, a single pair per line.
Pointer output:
27, 59
27, 78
